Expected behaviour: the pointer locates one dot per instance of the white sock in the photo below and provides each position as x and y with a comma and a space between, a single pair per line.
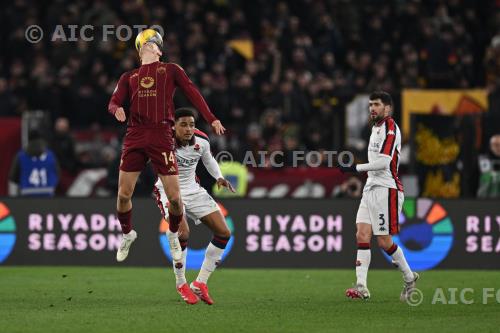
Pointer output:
129, 235
400, 260
212, 256
180, 273
171, 234
362, 264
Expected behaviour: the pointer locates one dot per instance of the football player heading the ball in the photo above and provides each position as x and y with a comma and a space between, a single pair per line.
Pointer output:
149, 91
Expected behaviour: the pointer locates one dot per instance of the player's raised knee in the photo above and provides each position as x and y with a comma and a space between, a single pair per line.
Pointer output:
124, 195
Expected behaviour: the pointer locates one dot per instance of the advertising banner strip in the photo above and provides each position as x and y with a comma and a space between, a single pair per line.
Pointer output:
308, 233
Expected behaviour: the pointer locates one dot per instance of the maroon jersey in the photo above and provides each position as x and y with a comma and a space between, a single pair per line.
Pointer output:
150, 91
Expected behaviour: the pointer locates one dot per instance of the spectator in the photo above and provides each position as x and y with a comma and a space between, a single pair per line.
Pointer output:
7, 101
34, 171
489, 165
309, 59
63, 145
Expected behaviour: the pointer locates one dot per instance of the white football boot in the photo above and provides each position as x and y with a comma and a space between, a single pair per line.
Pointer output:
409, 288
125, 244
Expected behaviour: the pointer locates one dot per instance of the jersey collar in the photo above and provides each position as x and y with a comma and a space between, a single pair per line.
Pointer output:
382, 121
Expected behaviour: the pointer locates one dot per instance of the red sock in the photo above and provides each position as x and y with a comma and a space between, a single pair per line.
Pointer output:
390, 251
125, 221
174, 221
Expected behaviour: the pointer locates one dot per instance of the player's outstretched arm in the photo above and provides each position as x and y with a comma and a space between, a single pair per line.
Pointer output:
213, 168
118, 98
382, 162
209, 161
194, 96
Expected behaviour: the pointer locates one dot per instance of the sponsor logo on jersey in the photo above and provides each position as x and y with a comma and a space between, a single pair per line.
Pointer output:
186, 163
147, 82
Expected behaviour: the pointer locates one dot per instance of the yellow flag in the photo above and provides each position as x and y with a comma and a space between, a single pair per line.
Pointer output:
243, 47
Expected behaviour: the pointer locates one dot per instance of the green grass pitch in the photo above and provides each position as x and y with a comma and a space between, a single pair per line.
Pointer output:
93, 299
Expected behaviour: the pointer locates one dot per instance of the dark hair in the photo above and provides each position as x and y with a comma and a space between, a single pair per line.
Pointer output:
185, 112
383, 96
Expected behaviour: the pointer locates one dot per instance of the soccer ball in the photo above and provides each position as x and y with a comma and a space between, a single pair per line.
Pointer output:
148, 36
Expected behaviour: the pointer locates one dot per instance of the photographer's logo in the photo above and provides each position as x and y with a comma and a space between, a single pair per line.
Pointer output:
195, 257
7, 232
426, 235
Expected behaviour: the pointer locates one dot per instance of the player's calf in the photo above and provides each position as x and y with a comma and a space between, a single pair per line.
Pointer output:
213, 255
399, 261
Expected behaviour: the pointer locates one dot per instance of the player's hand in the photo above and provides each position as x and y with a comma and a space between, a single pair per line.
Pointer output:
120, 115
218, 128
346, 169
224, 183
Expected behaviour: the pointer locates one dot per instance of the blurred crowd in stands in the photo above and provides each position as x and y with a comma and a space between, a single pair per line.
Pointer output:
310, 58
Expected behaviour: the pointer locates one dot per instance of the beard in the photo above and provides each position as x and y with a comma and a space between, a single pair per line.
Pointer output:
373, 121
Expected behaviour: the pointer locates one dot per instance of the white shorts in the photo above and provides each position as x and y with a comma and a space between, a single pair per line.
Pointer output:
196, 205
380, 207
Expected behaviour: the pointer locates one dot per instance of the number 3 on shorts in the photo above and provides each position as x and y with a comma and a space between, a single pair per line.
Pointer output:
381, 217
169, 160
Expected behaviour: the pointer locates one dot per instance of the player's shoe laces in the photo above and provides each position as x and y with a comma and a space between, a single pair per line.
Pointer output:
175, 246
201, 290
125, 244
187, 294
358, 292
409, 288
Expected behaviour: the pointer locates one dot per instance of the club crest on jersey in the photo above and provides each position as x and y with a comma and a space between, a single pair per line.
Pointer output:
161, 70
147, 82
196, 147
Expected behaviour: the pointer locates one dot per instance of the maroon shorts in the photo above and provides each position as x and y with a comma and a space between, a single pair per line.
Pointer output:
144, 144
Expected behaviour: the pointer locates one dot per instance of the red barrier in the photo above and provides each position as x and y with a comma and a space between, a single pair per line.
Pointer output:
10, 143
294, 182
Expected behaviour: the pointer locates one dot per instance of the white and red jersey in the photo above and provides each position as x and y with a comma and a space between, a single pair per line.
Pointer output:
188, 157
385, 139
